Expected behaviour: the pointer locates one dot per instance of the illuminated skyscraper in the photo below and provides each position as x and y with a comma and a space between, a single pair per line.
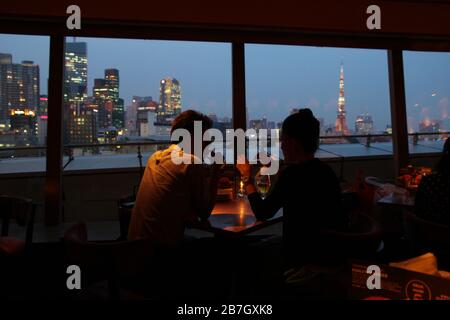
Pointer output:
106, 97
112, 83
19, 87
75, 90
75, 76
341, 122
104, 102
169, 100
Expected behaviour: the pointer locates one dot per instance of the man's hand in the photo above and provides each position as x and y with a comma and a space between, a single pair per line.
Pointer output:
217, 167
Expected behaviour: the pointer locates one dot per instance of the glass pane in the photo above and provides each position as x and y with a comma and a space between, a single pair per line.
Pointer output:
427, 99
127, 92
347, 90
24, 63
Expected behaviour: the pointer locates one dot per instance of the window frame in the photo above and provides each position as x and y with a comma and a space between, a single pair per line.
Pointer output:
238, 37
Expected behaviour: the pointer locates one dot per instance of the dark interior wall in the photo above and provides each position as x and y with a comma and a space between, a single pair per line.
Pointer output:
407, 17
93, 196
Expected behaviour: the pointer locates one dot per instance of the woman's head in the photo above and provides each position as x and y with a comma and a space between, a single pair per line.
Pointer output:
446, 149
300, 135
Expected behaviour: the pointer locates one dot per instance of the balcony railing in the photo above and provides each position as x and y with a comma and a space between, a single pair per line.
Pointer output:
337, 147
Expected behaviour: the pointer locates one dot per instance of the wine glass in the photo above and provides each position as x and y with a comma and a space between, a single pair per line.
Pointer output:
241, 191
262, 183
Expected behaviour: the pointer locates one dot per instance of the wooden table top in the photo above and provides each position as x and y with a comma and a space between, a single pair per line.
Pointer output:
236, 218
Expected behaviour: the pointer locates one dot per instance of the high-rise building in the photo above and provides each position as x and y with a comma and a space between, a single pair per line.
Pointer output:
258, 124
83, 128
131, 114
75, 76
429, 126
213, 117
75, 92
118, 114
23, 121
112, 84
106, 97
363, 124
146, 118
43, 105
19, 87
41, 128
104, 103
169, 100
341, 122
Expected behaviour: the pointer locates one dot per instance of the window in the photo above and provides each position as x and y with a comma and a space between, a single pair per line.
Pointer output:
427, 99
347, 90
23, 102
23, 115
123, 91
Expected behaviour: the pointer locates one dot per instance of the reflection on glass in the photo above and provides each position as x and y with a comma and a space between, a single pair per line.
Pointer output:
427, 100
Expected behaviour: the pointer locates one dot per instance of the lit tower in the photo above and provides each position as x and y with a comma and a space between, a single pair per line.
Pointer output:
169, 100
341, 122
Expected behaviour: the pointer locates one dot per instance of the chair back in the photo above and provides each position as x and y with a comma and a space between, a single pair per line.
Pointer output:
428, 236
361, 241
20, 209
125, 207
109, 261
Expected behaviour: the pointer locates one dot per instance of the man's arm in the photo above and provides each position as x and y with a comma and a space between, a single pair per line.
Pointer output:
204, 189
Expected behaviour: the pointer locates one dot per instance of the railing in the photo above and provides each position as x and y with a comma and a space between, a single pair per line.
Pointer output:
368, 141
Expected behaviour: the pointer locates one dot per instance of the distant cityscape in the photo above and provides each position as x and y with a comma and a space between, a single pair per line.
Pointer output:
103, 118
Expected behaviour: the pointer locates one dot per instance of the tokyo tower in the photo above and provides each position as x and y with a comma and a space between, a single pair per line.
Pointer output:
341, 122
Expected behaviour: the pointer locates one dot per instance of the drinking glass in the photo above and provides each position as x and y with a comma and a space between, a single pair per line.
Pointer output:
262, 184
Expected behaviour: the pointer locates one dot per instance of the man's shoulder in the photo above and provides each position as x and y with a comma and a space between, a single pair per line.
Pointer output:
175, 153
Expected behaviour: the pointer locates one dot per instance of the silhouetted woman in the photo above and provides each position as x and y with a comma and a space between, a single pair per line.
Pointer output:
433, 195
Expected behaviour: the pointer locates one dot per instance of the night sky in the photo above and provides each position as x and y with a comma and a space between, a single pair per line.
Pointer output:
278, 78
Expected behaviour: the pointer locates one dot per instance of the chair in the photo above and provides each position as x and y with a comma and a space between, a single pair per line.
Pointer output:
361, 241
426, 236
115, 262
327, 268
125, 207
22, 210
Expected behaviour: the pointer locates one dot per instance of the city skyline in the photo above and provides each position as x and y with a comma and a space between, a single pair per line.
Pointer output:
208, 90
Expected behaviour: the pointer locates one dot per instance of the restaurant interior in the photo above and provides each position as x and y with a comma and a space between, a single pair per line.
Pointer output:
67, 203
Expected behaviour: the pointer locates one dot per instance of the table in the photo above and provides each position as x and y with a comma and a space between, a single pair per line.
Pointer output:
235, 218
391, 217
232, 220
399, 201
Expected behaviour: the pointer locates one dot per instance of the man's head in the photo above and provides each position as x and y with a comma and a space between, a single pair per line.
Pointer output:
300, 135
186, 121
